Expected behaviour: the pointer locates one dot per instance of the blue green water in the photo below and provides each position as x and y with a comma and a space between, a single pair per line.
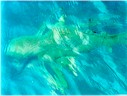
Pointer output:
100, 71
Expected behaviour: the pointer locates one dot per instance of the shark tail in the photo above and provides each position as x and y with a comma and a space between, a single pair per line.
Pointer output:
111, 40
122, 38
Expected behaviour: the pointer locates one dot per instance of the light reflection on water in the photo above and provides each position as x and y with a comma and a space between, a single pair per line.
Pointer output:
99, 71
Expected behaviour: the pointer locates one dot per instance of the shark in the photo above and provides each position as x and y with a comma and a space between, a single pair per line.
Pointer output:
61, 45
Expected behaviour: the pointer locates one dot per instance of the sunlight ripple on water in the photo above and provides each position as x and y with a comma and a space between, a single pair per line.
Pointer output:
75, 48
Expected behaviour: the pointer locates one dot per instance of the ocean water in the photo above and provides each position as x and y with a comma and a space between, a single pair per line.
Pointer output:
96, 71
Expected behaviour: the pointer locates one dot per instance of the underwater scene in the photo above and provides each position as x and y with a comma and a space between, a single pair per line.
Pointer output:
64, 47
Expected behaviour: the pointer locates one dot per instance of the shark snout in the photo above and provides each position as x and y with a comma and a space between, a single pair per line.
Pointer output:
14, 50
24, 47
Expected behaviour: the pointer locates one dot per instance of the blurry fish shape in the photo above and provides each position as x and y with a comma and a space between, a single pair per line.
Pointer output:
61, 45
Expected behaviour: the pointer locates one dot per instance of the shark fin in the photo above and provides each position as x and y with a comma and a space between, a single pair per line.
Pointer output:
61, 21
69, 63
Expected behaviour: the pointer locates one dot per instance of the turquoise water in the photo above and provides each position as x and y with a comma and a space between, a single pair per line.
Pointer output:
101, 70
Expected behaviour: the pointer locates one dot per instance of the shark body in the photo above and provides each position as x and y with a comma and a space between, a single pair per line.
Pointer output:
63, 41
61, 45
